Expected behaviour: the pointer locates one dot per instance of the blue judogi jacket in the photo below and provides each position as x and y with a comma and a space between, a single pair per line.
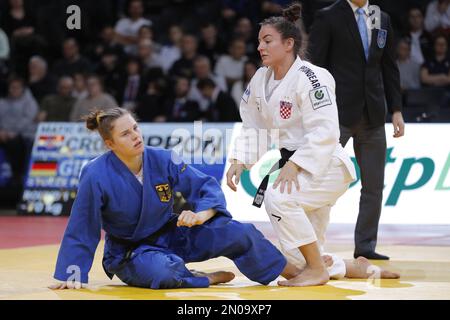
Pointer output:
110, 197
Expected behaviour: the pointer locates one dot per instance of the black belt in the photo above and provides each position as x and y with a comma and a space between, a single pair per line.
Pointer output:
151, 239
259, 197
132, 245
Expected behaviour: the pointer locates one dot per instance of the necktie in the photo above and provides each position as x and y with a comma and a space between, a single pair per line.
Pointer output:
362, 26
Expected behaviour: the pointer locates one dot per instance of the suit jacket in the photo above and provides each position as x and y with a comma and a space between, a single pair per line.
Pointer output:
361, 86
189, 111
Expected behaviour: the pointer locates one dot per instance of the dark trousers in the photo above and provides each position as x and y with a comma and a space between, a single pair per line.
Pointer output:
369, 144
17, 153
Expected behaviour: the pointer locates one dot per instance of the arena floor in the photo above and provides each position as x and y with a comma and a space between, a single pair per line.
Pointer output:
29, 246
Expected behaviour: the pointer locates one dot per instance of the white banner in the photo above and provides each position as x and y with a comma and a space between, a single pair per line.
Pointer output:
417, 180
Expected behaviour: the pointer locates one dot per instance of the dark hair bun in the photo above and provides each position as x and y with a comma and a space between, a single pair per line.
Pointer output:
293, 12
92, 119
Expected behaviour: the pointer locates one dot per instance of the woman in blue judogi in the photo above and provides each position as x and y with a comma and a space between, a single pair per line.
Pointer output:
128, 191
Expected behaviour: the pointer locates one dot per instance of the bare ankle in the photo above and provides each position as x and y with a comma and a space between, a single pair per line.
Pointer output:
317, 267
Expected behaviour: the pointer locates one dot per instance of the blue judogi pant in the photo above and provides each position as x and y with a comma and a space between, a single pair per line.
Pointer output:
161, 265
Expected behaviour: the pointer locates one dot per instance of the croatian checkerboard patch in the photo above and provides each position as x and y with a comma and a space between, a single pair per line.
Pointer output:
320, 97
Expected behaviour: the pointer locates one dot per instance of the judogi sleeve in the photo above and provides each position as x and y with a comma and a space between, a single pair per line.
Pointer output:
320, 122
82, 233
253, 140
203, 192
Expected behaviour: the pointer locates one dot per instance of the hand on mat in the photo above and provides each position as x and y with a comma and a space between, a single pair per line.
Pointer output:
287, 176
60, 285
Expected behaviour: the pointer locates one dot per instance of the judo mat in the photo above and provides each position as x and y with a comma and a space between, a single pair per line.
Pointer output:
29, 247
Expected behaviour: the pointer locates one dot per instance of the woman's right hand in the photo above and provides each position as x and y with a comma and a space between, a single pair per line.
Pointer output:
236, 169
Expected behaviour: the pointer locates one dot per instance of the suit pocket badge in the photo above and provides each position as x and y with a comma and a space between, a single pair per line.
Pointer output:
381, 38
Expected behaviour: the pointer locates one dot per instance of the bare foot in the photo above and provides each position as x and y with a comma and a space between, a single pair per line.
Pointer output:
290, 271
215, 277
327, 260
361, 268
308, 277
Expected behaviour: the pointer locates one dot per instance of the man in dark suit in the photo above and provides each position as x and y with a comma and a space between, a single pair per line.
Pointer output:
361, 57
222, 107
180, 108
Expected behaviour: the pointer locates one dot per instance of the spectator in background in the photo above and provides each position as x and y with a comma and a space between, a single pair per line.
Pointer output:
58, 107
4, 56
111, 72
237, 91
409, 68
244, 31
72, 61
20, 24
146, 33
231, 9
127, 28
18, 112
231, 66
79, 86
107, 44
211, 45
148, 55
185, 65
4, 46
181, 108
151, 104
435, 76
420, 39
435, 72
41, 83
222, 107
437, 18
172, 50
273, 8
131, 84
96, 99
202, 70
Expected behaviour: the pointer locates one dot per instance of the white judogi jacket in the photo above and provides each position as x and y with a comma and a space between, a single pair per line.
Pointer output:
303, 109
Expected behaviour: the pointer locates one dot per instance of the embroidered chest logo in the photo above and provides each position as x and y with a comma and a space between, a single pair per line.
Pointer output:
285, 109
164, 192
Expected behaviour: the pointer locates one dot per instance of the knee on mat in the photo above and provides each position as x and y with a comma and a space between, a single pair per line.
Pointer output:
161, 272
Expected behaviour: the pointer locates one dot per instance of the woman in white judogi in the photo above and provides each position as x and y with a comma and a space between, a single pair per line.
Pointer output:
297, 99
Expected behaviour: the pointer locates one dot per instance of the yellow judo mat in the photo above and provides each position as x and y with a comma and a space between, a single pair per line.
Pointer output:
26, 272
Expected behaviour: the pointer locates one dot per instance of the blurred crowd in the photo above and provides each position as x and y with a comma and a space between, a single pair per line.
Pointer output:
177, 60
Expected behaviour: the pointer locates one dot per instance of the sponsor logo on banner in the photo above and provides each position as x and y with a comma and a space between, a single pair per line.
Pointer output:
417, 181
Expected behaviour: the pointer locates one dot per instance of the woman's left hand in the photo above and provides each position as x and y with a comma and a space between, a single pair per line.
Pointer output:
288, 175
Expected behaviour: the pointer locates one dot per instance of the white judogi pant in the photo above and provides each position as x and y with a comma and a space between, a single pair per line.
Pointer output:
305, 214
